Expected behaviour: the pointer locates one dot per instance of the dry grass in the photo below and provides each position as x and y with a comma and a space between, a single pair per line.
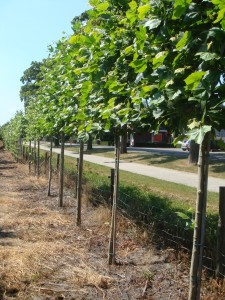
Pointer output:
45, 256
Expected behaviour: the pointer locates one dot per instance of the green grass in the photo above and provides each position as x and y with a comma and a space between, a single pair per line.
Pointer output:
216, 167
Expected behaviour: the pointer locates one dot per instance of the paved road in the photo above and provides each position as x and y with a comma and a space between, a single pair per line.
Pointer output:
186, 178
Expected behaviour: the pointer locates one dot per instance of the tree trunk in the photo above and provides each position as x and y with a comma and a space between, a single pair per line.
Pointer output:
89, 143
112, 241
61, 173
123, 144
200, 220
193, 153
56, 140
50, 169
79, 182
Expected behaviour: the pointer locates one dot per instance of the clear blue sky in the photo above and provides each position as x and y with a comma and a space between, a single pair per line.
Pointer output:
27, 27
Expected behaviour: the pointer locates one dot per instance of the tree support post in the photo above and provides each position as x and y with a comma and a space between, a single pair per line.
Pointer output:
200, 220
220, 254
38, 158
50, 168
61, 173
79, 182
112, 177
30, 156
112, 240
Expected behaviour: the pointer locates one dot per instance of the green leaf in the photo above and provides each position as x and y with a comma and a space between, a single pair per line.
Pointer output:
133, 5
198, 134
206, 56
220, 3
159, 59
129, 49
143, 10
220, 15
140, 65
182, 215
180, 7
153, 23
193, 79
102, 6
131, 16
94, 2
194, 124
223, 24
184, 40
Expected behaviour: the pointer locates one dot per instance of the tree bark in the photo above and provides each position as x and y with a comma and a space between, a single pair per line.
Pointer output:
200, 220
123, 144
89, 143
193, 153
56, 140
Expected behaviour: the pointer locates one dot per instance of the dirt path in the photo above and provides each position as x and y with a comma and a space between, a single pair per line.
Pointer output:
44, 256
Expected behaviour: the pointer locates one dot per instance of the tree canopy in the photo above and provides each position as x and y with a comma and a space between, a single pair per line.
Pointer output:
133, 63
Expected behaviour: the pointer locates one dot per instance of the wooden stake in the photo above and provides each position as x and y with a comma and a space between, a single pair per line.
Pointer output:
61, 173
50, 168
79, 182
220, 261
200, 221
112, 240
38, 158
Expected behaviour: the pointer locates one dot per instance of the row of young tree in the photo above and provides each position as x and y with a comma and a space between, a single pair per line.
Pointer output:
134, 64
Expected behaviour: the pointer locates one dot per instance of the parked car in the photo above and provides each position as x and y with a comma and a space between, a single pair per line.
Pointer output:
213, 145
185, 145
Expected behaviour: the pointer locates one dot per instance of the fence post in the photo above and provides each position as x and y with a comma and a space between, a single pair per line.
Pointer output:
220, 261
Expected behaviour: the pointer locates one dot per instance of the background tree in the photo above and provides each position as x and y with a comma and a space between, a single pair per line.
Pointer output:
30, 78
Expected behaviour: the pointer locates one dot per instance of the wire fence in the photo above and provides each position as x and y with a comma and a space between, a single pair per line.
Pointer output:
151, 212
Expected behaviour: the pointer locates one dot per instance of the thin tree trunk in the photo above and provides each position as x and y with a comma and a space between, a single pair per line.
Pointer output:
193, 153
200, 221
123, 141
79, 182
61, 173
112, 241
89, 143
50, 169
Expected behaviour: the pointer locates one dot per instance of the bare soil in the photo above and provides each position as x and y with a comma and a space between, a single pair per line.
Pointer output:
45, 256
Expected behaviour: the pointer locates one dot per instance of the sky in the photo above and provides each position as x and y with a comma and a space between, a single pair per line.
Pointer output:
27, 27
